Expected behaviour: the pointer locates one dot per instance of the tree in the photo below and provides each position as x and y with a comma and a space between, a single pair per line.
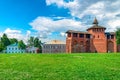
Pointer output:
118, 35
1, 46
21, 44
35, 42
5, 40
13, 40
31, 41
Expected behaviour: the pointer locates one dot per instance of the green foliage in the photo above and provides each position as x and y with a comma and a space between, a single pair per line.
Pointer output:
31, 41
1, 46
35, 42
13, 40
118, 35
60, 67
21, 45
5, 40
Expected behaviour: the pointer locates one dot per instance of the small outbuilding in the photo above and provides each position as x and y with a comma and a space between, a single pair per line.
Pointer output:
32, 49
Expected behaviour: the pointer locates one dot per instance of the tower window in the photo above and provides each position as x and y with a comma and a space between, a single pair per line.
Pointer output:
112, 36
98, 36
108, 36
81, 35
74, 34
69, 34
87, 35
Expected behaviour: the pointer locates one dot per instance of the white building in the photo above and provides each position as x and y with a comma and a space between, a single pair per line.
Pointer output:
13, 48
32, 49
54, 46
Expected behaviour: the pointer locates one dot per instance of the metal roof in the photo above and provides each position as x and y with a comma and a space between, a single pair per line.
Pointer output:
55, 42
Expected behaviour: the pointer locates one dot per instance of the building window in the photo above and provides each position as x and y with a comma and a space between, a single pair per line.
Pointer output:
112, 36
87, 35
98, 36
74, 34
108, 36
69, 34
81, 35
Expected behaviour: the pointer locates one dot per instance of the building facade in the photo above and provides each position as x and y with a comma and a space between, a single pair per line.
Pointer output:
54, 46
32, 49
13, 48
94, 40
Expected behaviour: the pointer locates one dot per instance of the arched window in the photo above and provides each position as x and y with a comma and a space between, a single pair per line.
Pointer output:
98, 36
75, 34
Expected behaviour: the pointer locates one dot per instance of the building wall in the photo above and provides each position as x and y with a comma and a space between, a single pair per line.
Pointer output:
53, 48
14, 49
111, 45
98, 42
118, 48
32, 49
77, 44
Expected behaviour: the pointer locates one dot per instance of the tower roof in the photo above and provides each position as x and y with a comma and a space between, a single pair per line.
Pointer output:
95, 21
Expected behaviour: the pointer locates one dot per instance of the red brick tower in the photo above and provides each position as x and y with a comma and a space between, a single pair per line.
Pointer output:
111, 42
95, 40
98, 40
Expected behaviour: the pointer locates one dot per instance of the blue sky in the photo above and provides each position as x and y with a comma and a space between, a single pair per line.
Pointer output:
50, 19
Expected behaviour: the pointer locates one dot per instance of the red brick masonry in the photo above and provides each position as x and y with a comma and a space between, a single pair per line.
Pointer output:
94, 40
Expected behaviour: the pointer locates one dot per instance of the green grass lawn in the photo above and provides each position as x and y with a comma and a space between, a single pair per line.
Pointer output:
60, 66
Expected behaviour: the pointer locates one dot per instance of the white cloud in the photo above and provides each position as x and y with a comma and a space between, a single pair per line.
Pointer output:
63, 34
104, 10
28, 33
45, 25
12, 33
1, 34
9, 31
59, 3
73, 5
114, 24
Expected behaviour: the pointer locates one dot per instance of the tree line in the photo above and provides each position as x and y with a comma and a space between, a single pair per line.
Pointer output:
5, 41
118, 35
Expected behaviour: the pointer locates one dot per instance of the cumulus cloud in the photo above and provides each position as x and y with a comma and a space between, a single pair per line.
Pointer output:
63, 34
105, 10
82, 13
115, 24
1, 34
12, 33
72, 5
28, 33
46, 25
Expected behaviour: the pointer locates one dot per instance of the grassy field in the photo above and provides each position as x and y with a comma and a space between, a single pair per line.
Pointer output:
59, 66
